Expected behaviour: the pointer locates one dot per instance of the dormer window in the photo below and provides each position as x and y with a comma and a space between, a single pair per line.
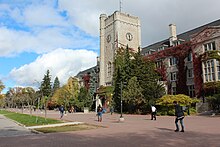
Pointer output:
209, 46
160, 48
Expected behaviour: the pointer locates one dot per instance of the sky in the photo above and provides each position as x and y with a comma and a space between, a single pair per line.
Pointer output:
63, 35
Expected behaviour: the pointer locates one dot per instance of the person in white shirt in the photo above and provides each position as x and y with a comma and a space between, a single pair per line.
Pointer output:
153, 112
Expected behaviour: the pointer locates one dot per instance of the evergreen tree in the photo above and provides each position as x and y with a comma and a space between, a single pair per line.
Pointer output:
46, 85
136, 75
126, 66
84, 97
132, 95
147, 77
56, 84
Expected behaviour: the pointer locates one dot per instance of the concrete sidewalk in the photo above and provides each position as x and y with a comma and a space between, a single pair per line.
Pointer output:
9, 128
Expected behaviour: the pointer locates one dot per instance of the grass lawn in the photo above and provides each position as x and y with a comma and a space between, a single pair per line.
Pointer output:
67, 128
28, 120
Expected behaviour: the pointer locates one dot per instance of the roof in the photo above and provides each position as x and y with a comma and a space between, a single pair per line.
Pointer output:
90, 70
184, 36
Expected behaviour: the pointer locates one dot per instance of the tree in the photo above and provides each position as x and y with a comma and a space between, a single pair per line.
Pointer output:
46, 89
2, 86
147, 77
184, 100
117, 77
129, 65
132, 95
56, 84
46, 85
167, 102
29, 96
85, 98
214, 101
2, 97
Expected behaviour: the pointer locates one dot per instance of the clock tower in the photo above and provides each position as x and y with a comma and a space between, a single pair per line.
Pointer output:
116, 31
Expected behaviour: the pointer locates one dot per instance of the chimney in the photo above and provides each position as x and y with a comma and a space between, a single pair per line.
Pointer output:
173, 36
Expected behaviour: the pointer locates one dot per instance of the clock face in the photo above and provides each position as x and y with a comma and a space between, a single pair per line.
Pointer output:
108, 38
129, 36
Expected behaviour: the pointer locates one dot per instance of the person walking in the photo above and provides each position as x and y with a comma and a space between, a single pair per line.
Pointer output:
99, 110
179, 116
111, 110
153, 112
61, 109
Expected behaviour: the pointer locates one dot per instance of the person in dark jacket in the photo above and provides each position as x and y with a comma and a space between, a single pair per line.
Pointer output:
100, 111
61, 109
179, 116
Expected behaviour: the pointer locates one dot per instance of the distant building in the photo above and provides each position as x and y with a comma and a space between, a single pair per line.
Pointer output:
89, 79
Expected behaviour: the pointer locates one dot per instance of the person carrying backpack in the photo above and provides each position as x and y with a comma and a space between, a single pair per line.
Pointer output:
179, 116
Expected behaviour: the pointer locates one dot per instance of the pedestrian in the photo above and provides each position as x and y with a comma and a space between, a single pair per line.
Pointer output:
71, 109
111, 110
99, 111
179, 116
153, 112
61, 109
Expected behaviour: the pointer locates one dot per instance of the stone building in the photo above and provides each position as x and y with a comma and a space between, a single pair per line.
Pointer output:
199, 69
117, 30
120, 29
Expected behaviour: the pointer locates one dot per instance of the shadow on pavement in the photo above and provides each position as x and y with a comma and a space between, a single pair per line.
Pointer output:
163, 137
165, 129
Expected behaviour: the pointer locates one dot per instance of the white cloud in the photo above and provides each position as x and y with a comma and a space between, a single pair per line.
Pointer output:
85, 14
42, 41
39, 28
155, 15
43, 15
62, 63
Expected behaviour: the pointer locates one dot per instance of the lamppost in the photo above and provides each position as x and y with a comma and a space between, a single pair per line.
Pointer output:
121, 119
38, 98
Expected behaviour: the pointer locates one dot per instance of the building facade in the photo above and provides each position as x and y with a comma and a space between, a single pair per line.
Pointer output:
189, 60
116, 31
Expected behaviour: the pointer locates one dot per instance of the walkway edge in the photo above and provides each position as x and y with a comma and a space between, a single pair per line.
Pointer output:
55, 125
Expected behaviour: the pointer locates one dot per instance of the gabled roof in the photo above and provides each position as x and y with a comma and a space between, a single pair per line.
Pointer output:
184, 36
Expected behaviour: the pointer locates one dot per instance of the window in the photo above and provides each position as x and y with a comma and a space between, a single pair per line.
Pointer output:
218, 69
209, 46
159, 64
173, 91
191, 90
109, 69
190, 73
189, 57
209, 71
160, 48
176, 43
173, 76
173, 61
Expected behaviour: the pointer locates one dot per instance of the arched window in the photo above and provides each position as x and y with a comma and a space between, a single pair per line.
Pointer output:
109, 69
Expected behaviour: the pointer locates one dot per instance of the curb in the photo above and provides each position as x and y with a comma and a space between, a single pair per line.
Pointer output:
55, 125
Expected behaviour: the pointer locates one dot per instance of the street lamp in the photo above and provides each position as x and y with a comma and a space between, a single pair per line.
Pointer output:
121, 119
38, 100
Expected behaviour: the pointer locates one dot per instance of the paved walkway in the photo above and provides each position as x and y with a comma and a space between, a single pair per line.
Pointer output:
9, 128
137, 130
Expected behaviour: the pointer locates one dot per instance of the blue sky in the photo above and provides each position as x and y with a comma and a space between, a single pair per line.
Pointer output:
63, 35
